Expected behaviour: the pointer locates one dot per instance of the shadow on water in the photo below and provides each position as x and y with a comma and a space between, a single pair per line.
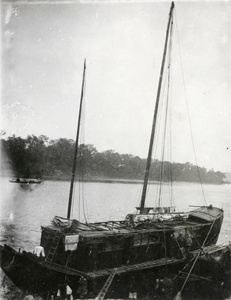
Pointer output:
29, 187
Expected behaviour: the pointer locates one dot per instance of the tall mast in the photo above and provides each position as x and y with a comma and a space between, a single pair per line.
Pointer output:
146, 176
76, 146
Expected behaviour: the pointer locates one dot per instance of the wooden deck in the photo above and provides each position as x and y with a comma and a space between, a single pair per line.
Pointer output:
120, 270
137, 267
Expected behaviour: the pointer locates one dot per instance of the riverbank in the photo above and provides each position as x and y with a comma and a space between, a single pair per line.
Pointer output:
103, 180
111, 180
124, 181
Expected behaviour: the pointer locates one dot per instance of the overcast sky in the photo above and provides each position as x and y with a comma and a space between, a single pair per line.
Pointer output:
44, 44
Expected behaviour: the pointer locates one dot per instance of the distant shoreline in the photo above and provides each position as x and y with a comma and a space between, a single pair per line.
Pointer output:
131, 181
103, 180
117, 180
114, 180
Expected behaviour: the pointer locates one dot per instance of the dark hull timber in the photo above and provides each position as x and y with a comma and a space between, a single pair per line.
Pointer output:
46, 278
210, 277
204, 278
208, 273
146, 250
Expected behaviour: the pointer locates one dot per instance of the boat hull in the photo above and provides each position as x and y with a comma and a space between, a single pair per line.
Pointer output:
43, 276
33, 276
26, 181
26, 272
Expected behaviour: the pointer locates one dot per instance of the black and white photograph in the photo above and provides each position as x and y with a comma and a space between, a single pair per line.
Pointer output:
115, 130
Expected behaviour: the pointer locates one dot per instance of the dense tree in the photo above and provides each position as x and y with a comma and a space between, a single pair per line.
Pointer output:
42, 157
15, 147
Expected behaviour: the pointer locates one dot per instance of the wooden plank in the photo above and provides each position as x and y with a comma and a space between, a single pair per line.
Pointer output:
131, 268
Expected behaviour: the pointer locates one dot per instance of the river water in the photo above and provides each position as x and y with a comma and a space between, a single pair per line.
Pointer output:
25, 208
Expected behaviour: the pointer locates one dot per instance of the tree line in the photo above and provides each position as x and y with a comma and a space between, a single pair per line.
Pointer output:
41, 157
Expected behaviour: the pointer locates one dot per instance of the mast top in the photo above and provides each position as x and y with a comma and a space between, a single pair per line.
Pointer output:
171, 8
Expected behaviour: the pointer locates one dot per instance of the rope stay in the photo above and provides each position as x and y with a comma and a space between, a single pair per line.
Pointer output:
188, 114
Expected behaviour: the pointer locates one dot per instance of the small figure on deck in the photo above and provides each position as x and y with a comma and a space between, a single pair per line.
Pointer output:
181, 243
173, 247
61, 293
181, 239
188, 244
68, 293
132, 289
39, 251
82, 288
164, 288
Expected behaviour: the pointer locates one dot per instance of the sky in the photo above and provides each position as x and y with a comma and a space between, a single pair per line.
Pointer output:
44, 44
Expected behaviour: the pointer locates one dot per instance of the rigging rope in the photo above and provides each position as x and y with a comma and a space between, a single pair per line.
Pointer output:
170, 171
81, 165
165, 122
186, 100
82, 168
164, 137
156, 168
158, 138
159, 121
